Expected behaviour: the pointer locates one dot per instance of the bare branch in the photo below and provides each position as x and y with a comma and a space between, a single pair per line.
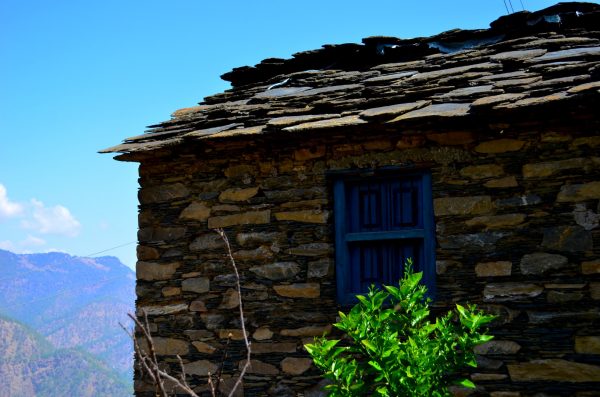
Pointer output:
239, 290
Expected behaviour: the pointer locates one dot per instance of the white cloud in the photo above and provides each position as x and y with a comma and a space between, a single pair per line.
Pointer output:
8, 208
24, 246
51, 220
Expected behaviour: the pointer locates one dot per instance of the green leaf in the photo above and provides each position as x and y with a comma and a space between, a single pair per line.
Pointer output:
467, 383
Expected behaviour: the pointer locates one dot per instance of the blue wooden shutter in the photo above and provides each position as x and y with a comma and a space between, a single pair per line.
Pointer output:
380, 222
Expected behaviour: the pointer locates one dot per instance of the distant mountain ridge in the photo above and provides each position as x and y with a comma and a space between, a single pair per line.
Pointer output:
73, 302
30, 366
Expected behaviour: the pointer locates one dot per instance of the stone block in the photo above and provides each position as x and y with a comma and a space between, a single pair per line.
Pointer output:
304, 154
238, 194
204, 347
244, 218
482, 377
579, 192
170, 291
319, 268
255, 238
170, 346
259, 368
595, 291
231, 333
493, 269
562, 297
161, 310
277, 271
590, 267
155, 234
497, 221
231, 299
198, 285
262, 333
208, 241
498, 347
236, 171
500, 146
196, 211
261, 253
587, 345
198, 306
150, 271
521, 201
311, 249
475, 205
163, 193
299, 290
201, 368
306, 216
567, 238
268, 348
554, 370
145, 253
507, 181
312, 330
451, 138
511, 291
541, 263
549, 168
295, 365
482, 171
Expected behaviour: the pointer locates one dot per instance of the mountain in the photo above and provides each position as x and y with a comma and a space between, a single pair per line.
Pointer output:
30, 366
73, 303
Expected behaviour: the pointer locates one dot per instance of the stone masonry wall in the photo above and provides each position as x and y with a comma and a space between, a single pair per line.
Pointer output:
517, 217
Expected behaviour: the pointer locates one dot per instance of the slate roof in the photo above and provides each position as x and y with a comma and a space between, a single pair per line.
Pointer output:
524, 60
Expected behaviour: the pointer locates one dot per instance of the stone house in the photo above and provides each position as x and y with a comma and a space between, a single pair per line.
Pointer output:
475, 152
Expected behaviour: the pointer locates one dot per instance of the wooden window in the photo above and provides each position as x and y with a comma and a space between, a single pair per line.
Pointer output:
380, 221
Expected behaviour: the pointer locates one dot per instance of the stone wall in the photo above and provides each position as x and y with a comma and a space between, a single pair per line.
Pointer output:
517, 215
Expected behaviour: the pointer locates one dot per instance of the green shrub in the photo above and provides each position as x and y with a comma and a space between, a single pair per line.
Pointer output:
394, 350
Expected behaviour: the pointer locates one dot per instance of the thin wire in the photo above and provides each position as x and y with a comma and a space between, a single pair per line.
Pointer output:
83, 256
511, 6
505, 6
109, 249
522, 6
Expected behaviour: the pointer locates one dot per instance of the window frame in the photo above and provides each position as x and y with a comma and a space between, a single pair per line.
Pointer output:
341, 180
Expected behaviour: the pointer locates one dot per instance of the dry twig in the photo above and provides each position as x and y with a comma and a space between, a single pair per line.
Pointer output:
149, 362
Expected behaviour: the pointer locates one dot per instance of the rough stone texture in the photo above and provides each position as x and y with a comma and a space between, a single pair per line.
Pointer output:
540, 263
314, 216
260, 368
277, 271
567, 238
150, 271
554, 370
587, 344
246, 218
196, 211
493, 269
500, 146
462, 205
590, 267
198, 285
200, 367
511, 291
170, 346
238, 194
511, 144
498, 347
579, 192
300, 290
295, 365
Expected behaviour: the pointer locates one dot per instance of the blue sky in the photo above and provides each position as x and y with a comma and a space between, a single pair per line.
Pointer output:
79, 76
